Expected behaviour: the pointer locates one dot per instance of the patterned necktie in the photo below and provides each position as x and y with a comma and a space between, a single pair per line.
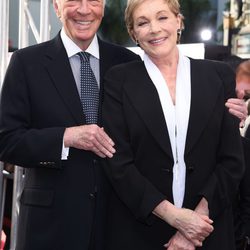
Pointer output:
89, 92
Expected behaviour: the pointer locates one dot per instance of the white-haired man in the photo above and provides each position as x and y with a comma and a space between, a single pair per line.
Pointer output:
44, 128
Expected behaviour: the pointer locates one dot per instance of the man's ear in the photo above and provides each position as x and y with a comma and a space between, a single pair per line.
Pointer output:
56, 8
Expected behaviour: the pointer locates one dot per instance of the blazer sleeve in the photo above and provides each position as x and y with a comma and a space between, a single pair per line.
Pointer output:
221, 188
20, 142
135, 191
243, 205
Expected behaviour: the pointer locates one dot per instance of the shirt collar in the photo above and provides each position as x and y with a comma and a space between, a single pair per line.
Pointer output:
72, 48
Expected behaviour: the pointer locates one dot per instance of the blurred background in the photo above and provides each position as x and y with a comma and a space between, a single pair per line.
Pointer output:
217, 29
213, 22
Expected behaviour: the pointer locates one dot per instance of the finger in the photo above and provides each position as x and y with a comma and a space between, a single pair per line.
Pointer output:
106, 152
104, 145
238, 105
242, 124
206, 218
106, 137
98, 152
198, 243
241, 106
234, 101
240, 114
202, 238
166, 245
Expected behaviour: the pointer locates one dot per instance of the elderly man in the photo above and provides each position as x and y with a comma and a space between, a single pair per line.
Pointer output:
50, 125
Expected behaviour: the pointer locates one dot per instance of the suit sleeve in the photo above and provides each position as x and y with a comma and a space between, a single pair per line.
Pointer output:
21, 142
135, 191
221, 188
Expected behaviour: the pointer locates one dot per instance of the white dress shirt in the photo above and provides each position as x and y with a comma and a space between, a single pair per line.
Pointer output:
176, 117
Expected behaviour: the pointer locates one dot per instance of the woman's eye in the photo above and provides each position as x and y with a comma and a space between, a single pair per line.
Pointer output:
163, 18
142, 23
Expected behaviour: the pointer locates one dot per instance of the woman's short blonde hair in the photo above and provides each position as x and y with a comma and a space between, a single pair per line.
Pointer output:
173, 5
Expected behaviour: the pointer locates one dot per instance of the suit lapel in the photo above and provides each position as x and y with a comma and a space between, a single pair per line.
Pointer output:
58, 66
204, 91
144, 97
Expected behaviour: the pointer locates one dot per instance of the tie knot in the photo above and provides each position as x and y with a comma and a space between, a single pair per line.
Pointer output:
84, 56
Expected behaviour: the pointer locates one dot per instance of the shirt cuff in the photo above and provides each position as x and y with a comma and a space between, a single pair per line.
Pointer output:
65, 152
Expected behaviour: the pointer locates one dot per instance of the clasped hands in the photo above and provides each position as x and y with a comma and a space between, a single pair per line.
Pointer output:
193, 229
193, 226
91, 138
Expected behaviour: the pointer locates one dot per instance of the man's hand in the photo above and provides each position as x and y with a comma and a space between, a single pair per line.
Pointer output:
89, 137
238, 108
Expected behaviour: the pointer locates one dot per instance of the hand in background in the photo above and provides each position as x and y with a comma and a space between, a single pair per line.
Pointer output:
238, 108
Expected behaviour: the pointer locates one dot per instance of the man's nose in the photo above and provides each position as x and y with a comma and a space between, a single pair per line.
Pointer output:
83, 7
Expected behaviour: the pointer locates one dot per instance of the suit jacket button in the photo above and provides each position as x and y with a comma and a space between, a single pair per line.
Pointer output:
92, 196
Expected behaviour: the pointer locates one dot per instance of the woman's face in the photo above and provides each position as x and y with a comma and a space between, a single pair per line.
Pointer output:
155, 28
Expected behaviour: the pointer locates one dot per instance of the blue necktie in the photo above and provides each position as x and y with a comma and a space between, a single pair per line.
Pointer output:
89, 92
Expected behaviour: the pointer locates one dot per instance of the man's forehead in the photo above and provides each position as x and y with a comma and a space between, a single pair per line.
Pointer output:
102, 1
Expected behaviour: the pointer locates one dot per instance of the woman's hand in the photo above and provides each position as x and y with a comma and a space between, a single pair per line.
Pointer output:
179, 242
194, 226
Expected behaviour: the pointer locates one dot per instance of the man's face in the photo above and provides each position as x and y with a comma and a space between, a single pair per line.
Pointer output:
243, 87
80, 18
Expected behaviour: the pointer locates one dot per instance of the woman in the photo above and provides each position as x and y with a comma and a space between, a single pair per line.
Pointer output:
178, 157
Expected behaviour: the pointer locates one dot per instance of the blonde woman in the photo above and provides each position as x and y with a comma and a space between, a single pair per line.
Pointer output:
178, 159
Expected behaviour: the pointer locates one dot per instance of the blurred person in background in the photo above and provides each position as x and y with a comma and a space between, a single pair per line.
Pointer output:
242, 203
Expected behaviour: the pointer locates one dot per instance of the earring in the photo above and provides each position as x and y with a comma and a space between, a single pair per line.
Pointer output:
137, 43
179, 31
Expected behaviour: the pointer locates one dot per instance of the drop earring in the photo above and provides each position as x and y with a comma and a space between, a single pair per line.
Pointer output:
179, 31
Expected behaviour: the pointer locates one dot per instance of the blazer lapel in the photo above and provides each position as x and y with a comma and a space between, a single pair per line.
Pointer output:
144, 97
59, 68
204, 91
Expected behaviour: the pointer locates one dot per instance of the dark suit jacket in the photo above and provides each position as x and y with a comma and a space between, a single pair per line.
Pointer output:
39, 100
141, 169
242, 203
